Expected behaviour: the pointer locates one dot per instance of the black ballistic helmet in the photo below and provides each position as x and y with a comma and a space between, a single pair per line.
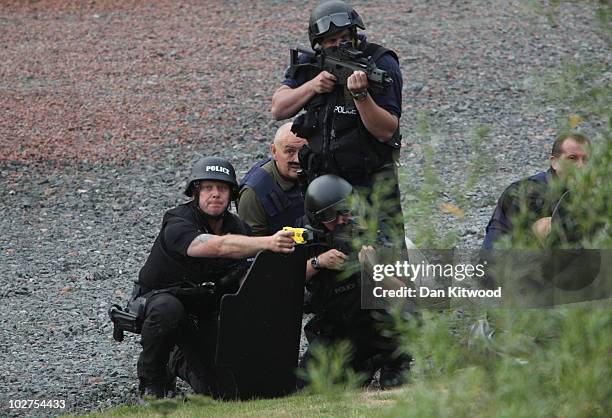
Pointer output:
329, 17
325, 196
212, 168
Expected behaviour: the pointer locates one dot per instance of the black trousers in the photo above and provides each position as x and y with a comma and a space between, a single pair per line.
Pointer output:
381, 193
367, 333
177, 342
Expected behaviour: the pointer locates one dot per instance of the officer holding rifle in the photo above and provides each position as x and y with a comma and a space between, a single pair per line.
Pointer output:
351, 123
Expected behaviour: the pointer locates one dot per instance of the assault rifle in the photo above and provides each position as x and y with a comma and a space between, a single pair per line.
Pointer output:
341, 61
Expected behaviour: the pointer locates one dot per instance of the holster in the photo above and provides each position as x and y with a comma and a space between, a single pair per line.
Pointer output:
128, 319
132, 316
312, 164
306, 125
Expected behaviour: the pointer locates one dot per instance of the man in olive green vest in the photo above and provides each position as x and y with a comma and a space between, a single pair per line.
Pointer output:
270, 196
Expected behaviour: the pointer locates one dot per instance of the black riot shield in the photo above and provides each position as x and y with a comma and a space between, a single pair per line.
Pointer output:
260, 325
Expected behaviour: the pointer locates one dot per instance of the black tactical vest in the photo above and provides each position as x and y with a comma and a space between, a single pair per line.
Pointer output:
339, 141
166, 268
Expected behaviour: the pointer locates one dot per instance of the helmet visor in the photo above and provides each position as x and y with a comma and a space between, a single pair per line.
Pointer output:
331, 213
340, 20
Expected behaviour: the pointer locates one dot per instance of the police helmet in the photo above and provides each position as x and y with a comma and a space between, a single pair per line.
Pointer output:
212, 168
329, 17
325, 196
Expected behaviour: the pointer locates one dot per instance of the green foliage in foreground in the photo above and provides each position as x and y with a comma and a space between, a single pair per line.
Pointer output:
533, 363
512, 364
327, 372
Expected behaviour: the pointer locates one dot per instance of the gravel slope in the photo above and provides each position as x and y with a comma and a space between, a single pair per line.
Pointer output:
107, 103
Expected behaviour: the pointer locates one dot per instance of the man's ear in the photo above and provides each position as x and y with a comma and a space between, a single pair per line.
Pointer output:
554, 163
195, 190
273, 150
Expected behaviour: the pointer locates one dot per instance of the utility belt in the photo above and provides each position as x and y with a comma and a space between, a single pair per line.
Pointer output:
187, 289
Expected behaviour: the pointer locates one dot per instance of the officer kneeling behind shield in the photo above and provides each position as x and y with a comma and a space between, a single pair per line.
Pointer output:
199, 255
335, 290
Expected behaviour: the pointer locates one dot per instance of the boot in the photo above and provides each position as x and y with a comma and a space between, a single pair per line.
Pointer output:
158, 390
393, 374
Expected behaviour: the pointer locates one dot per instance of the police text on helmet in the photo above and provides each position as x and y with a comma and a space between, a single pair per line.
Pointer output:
217, 168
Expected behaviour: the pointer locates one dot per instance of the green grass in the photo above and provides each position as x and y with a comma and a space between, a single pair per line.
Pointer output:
348, 404
530, 363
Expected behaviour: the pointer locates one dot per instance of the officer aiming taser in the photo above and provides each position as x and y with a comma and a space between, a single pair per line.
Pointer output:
341, 61
300, 235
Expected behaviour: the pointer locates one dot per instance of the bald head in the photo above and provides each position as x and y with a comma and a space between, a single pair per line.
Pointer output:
285, 149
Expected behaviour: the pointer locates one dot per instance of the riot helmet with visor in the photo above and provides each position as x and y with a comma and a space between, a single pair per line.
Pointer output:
329, 17
326, 198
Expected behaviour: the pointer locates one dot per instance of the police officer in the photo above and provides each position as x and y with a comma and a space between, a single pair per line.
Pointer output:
352, 129
270, 196
335, 288
198, 255
531, 201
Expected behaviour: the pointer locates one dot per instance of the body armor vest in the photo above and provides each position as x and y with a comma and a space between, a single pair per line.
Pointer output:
339, 142
282, 208
164, 268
